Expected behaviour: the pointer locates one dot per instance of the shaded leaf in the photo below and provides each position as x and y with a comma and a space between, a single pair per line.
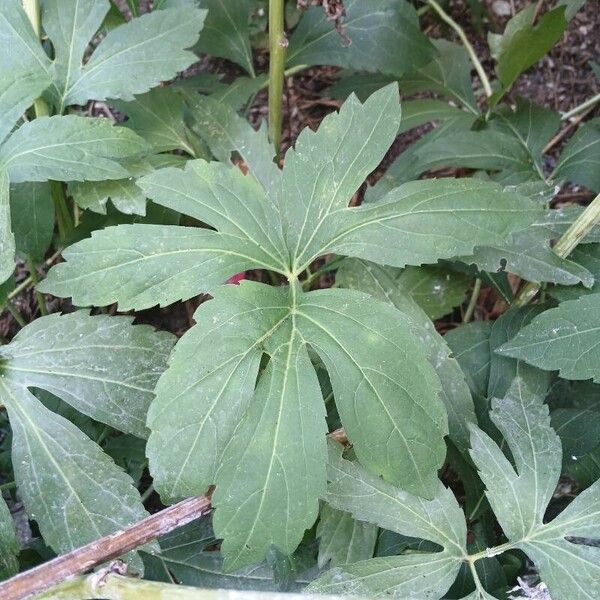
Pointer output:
371, 27
32, 214
226, 32
368, 498
9, 546
343, 540
7, 239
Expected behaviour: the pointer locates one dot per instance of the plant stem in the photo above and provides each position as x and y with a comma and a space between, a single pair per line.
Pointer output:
41, 108
110, 586
583, 106
35, 279
15, 314
27, 282
277, 45
468, 47
566, 244
473, 301
147, 493
32, 10
5, 487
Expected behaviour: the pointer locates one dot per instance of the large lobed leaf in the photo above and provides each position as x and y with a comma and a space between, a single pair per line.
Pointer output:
131, 59
223, 420
104, 368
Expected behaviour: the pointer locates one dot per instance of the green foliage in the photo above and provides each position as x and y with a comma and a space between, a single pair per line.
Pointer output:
106, 369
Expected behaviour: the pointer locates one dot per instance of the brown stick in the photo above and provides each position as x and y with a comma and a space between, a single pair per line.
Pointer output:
100, 551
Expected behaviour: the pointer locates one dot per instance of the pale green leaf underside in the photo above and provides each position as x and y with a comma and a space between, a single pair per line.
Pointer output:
131, 59
102, 366
69, 486
67, 148
564, 339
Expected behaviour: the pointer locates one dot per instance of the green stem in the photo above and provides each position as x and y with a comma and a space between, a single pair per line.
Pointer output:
277, 45
15, 314
5, 487
117, 587
473, 301
566, 244
147, 493
27, 282
32, 10
583, 106
468, 47
63, 215
35, 280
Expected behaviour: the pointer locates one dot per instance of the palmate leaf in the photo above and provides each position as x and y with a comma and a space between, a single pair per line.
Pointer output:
563, 339
440, 520
371, 26
224, 421
106, 369
131, 59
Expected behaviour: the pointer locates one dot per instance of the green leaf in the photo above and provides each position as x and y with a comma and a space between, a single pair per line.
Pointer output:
440, 520
578, 429
580, 160
125, 195
435, 289
371, 28
23, 63
528, 254
365, 348
68, 485
226, 32
131, 59
519, 496
448, 74
562, 339
158, 118
102, 366
523, 43
32, 214
404, 226
382, 283
343, 540
588, 257
346, 148
419, 112
9, 546
140, 266
68, 148
532, 125
225, 132
7, 239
